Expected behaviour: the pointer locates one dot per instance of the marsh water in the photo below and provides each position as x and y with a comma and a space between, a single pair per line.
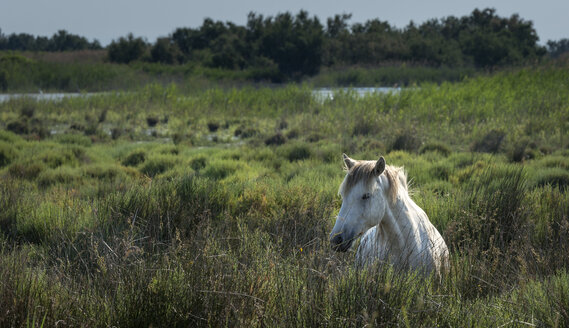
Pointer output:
328, 93
42, 96
319, 93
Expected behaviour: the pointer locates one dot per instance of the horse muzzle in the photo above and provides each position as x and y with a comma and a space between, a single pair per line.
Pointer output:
340, 244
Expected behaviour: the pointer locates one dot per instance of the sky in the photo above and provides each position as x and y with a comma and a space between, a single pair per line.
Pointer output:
107, 20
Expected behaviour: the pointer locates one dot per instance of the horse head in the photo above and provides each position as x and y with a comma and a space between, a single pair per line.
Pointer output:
364, 201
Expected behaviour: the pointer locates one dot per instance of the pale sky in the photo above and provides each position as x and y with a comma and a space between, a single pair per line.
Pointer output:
106, 20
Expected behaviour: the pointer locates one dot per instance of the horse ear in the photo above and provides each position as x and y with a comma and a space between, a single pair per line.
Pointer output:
379, 166
348, 161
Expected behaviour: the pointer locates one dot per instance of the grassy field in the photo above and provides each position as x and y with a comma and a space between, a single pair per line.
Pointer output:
163, 207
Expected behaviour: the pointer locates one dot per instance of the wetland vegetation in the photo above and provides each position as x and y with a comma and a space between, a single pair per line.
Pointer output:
177, 206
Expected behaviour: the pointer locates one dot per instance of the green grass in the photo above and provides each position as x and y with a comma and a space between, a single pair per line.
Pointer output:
178, 225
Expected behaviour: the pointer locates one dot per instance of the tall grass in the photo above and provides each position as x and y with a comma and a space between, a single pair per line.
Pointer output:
221, 229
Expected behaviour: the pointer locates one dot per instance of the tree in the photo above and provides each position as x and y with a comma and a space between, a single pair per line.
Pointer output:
126, 50
165, 51
62, 41
293, 43
491, 40
557, 48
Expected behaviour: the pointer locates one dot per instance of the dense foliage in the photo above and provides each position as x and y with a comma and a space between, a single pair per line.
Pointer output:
558, 48
300, 45
163, 207
126, 49
289, 47
60, 41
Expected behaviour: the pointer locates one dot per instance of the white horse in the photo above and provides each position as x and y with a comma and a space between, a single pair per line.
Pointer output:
376, 204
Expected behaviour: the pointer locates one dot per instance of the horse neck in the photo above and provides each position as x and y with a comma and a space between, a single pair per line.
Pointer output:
396, 224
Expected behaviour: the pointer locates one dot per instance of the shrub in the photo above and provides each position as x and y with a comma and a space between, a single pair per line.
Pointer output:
116, 132
26, 170
135, 158
157, 165
63, 175
298, 152
276, 140
523, 149
9, 137
364, 127
282, 124
19, 126
407, 141
103, 172
490, 143
152, 121
438, 147
177, 138
246, 132
220, 169
77, 126
28, 110
56, 157
198, 163
103, 116
314, 137
212, 126
292, 134
7, 154
169, 150
38, 128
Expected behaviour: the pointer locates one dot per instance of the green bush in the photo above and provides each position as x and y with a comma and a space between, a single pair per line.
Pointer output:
60, 175
212, 126
19, 126
135, 158
523, 149
58, 156
9, 137
490, 143
198, 163
298, 152
7, 154
157, 165
219, 170
438, 147
406, 140
101, 172
26, 170
152, 121
275, 140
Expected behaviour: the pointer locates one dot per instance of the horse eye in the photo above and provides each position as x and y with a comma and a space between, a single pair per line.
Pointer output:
366, 196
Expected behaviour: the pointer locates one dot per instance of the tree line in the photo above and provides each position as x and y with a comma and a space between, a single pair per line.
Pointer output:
287, 46
60, 41
298, 45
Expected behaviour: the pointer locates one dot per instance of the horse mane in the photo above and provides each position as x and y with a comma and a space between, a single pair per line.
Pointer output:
364, 170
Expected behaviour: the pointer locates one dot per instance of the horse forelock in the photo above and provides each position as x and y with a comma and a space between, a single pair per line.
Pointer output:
364, 171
